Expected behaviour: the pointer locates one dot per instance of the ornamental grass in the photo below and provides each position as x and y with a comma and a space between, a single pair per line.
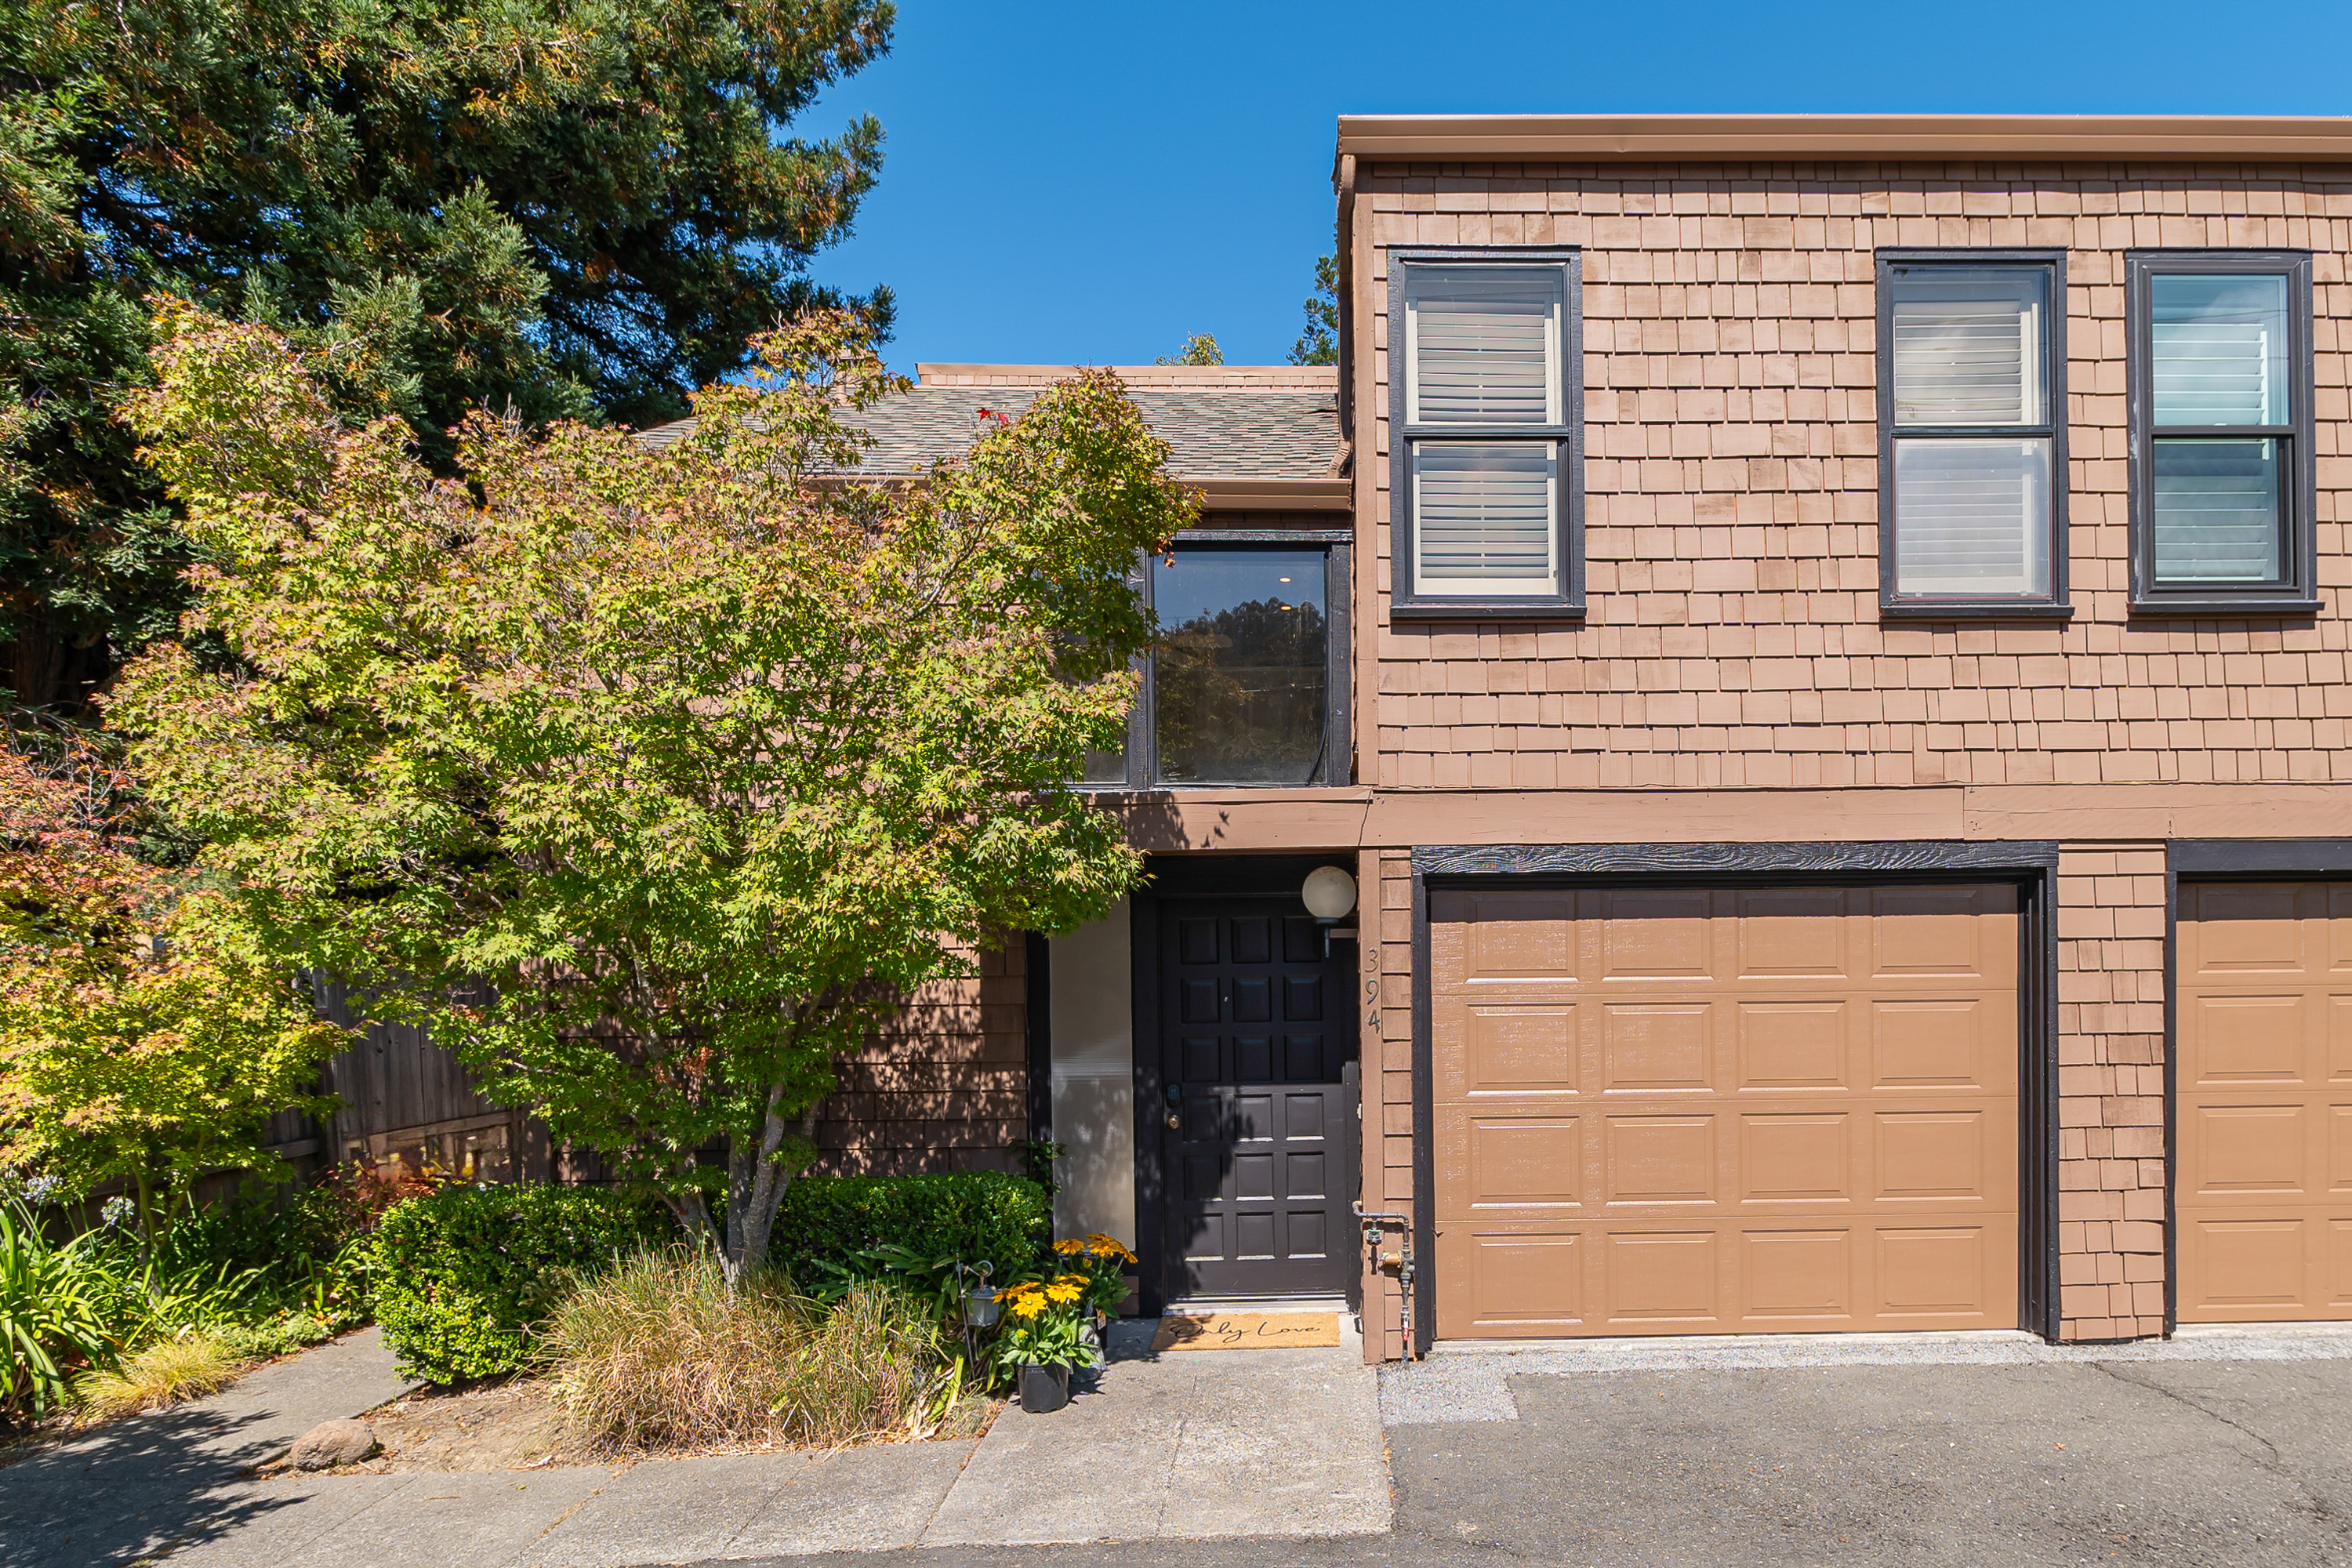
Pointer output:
659, 1355
167, 1373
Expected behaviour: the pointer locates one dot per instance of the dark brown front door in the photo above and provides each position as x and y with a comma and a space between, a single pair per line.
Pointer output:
1256, 1025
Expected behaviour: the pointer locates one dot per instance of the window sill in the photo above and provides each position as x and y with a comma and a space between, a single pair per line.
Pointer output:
1486, 610
2231, 609
1965, 610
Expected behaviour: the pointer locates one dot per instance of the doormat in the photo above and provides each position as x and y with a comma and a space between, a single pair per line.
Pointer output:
1246, 1331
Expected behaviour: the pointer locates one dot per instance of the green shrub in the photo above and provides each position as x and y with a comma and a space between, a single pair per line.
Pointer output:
831, 1220
464, 1273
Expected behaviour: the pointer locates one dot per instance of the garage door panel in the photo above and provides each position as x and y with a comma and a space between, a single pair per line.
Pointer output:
2247, 1151
1659, 1160
1491, 1049
1660, 934
1803, 1157
1950, 1042
1655, 1279
1793, 933
1657, 1046
1501, 1164
2245, 1039
1511, 1284
1937, 1272
1939, 1157
1778, 1116
1803, 1278
1794, 1045
1943, 933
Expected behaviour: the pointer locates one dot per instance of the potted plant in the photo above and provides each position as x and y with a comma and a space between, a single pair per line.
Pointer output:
1043, 1337
1103, 1260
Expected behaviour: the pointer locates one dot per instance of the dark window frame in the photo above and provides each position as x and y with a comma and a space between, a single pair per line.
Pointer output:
1567, 439
2297, 594
1337, 546
1892, 603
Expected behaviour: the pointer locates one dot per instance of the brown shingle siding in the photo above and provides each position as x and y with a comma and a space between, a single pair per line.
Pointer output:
1731, 529
942, 1085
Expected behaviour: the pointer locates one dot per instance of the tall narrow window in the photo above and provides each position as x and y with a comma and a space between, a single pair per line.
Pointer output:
1971, 437
2222, 466
1485, 384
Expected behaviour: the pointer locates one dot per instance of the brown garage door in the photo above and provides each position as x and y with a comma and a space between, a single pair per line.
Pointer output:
1715, 1111
2263, 1191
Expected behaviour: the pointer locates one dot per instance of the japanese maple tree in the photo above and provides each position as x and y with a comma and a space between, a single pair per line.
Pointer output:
647, 778
143, 1037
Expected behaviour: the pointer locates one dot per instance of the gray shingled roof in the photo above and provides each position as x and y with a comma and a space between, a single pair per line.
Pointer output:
1217, 433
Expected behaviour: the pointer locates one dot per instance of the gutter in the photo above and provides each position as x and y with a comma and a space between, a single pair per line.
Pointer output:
1873, 138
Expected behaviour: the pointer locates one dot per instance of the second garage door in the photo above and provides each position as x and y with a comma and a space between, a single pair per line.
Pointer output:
1693, 1111
2264, 1190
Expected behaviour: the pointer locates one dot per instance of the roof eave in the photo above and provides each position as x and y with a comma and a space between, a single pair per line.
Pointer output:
1672, 138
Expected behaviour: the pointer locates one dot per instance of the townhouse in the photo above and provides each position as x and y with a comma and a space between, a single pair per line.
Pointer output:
1768, 752
1841, 749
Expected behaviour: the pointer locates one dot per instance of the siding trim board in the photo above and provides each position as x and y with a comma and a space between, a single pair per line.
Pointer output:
2031, 865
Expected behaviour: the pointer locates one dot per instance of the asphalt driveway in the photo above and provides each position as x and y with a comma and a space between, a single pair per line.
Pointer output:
2116, 1461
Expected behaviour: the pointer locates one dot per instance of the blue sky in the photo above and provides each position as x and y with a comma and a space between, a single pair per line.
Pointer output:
1092, 182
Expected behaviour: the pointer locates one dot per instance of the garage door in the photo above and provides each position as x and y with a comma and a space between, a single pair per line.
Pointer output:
2262, 1189
1724, 1111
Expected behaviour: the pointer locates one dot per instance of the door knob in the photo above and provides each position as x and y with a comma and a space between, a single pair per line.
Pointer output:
1175, 1123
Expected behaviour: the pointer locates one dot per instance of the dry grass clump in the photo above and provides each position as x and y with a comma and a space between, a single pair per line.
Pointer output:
167, 1373
659, 1353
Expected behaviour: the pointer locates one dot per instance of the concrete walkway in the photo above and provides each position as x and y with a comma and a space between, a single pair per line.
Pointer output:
1188, 1445
137, 1487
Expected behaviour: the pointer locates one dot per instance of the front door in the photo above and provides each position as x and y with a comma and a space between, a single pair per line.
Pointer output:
1255, 1028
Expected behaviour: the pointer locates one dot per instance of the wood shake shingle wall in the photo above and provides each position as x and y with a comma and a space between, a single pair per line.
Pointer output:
942, 1085
1733, 638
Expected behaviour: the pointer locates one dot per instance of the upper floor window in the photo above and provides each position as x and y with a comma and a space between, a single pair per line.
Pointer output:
1972, 442
2223, 486
1486, 492
1249, 683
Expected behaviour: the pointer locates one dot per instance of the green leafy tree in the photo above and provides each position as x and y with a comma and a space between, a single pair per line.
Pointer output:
567, 208
1318, 341
1201, 348
648, 779
144, 1037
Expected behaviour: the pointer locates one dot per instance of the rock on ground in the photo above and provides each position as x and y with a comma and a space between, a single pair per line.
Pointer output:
332, 1443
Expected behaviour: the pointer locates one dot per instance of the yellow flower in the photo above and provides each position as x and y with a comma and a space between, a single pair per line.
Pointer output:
1069, 1247
1068, 1288
1028, 1305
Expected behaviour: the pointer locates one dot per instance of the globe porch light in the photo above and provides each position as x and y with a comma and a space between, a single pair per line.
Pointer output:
1329, 893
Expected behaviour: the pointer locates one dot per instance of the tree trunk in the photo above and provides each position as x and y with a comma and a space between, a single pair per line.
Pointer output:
756, 1181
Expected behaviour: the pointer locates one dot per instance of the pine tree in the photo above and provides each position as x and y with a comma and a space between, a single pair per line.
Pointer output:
558, 208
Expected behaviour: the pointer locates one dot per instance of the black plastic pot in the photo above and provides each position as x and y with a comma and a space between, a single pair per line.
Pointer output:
1044, 1389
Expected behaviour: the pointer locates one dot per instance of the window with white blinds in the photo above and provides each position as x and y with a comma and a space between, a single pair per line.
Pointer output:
1484, 393
1970, 444
1483, 517
1481, 345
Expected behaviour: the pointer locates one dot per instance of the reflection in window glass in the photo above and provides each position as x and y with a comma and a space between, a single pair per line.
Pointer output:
2220, 348
1242, 681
